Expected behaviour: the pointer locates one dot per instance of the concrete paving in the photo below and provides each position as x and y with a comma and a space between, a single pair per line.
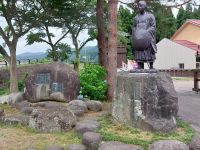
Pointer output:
189, 103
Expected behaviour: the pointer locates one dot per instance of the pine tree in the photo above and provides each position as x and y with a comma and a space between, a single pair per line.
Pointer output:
181, 17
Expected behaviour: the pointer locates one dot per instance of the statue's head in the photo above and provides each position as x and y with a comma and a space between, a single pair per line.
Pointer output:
142, 6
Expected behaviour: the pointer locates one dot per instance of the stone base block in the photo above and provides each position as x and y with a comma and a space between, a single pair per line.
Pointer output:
145, 100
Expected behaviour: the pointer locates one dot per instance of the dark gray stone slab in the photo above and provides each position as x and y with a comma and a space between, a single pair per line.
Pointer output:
145, 100
76, 147
54, 148
168, 145
114, 145
17, 119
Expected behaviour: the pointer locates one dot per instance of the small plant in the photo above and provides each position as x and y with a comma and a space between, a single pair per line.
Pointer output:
93, 83
21, 83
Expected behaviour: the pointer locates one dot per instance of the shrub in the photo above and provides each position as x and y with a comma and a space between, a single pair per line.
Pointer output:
21, 83
93, 83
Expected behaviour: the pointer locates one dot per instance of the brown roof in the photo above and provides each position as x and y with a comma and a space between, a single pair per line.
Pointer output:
189, 44
191, 21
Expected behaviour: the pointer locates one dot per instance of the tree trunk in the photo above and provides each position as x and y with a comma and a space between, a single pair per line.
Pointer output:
77, 61
13, 71
112, 47
101, 34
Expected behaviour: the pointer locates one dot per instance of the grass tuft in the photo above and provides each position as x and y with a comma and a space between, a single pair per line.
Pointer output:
125, 134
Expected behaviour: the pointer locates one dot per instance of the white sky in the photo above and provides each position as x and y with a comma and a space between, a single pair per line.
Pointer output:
42, 47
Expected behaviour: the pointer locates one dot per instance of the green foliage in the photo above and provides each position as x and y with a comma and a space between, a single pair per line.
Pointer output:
92, 79
41, 61
125, 22
35, 37
123, 133
62, 52
21, 83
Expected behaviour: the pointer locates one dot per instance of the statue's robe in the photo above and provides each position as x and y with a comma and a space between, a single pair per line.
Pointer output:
145, 22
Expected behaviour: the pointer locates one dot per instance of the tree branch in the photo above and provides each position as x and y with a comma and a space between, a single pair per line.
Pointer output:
61, 37
4, 53
84, 43
6, 39
8, 19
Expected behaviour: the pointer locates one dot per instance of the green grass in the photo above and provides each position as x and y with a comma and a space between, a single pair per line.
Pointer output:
182, 78
117, 132
17, 137
4, 91
9, 110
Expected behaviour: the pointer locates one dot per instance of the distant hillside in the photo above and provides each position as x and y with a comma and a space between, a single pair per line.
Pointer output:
28, 55
87, 53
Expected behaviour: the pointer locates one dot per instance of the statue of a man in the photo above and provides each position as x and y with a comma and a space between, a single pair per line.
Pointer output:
143, 37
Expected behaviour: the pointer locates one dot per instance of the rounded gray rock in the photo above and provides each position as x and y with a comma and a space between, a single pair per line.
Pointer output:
52, 120
114, 145
195, 143
21, 105
94, 105
91, 140
54, 148
27, 110
87, 125
15, 98
57, 96
168, 145
76, 147
78, 107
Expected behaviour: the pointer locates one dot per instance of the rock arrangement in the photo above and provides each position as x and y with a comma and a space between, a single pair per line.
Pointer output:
57, 116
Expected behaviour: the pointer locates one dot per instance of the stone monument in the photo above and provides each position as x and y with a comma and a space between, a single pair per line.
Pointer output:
56, 82
145, 99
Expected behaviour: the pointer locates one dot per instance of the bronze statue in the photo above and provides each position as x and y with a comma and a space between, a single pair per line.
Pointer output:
143, 37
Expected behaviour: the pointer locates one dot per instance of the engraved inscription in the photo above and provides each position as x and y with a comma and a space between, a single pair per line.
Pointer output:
43, 78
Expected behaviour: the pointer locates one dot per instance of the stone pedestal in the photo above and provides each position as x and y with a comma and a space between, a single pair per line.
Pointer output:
145, 100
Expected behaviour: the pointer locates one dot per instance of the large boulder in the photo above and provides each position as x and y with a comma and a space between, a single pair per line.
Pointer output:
145, 100
52, 120
168, 145
56, 82
114, 145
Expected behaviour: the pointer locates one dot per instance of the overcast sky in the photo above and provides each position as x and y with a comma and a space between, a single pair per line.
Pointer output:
42, 47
